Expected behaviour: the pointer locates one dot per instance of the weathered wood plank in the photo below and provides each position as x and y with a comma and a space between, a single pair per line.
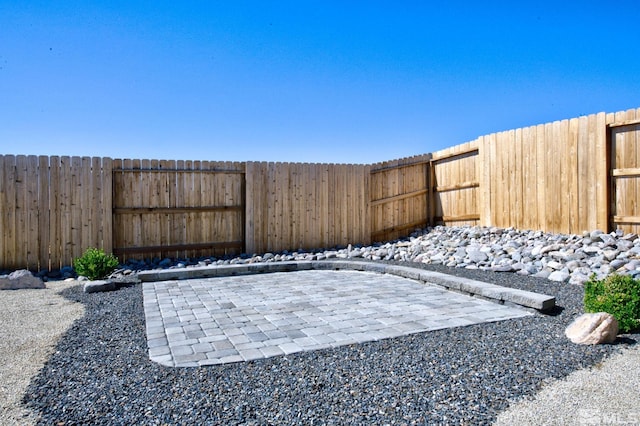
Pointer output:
10, 211
44, 225
106, 200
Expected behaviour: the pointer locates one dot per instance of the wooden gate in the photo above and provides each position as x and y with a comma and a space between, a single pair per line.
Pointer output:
179, 209
454, 186
625, 174
399, 197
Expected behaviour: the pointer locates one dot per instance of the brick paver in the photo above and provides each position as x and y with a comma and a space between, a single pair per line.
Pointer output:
242, 318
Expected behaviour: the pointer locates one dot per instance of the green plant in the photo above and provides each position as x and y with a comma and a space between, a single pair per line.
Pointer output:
618, 295
95, 264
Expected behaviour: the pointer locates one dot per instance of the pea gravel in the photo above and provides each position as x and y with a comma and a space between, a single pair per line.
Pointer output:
31, 322
101, 373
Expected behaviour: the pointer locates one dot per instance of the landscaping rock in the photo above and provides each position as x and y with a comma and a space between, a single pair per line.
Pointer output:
558, 276
593, 329
559, 257
99, 286
20, 279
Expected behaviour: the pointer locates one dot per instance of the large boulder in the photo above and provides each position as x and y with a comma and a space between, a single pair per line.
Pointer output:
593, 329
20, 279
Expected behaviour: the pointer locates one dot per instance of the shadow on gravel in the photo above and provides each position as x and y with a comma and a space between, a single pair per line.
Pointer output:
101, 373
624, 340
554, 312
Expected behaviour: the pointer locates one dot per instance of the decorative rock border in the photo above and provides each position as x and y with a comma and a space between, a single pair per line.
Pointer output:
498, 293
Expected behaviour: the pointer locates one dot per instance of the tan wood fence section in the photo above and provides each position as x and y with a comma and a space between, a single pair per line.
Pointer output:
567, 176
294, 206
454, 190
624, 139
52, 208
399, 197
177, 208
551, 177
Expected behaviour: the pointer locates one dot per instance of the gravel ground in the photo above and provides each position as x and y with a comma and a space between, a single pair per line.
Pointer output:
31, 323
101, 374
606, 393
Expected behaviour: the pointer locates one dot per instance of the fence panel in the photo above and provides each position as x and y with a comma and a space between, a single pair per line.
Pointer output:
399, 197
48, 210
305, 206
625, 170
550, 177
177, 209
455, 185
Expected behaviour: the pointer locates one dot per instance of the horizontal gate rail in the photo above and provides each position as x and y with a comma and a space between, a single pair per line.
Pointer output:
175, 210
178, 247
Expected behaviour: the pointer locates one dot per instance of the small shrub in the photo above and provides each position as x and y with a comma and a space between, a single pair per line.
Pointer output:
618, 295
95, 264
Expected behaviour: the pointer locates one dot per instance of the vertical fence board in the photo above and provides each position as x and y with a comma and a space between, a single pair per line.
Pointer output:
574, 178
602, 171
94, 207
4, 210
32, 205
66, 237
9, 204
518, 175
252, 223
44, 225
179, 220
83, 203
635, 136
106, 226
584, 174
55, 237
21, 209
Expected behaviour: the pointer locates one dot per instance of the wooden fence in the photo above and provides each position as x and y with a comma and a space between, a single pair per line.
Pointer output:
566, 176
623, 135
454, 188
305, 206
177, 208
551, 177
398, 197
51, 208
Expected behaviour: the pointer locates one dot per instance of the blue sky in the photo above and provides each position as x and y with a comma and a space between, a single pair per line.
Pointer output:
309, 81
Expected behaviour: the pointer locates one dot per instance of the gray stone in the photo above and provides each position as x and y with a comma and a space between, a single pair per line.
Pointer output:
501, 268
477, 256
165, 263
607, 239
542, 274
550, 248
556, 266
618, 263
21, 279
591, 250
578, 279
624, 245
558, 276
99, 286
535, 252
593, 329
572, 265
632, 265
610, 254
